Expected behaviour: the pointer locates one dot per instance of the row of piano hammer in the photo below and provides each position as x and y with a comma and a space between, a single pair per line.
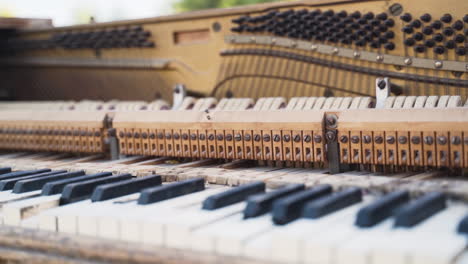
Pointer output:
415, 131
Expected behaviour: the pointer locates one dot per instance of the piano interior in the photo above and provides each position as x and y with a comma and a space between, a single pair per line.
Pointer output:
316, 131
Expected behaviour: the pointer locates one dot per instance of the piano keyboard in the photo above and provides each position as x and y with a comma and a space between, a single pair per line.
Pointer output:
262, 218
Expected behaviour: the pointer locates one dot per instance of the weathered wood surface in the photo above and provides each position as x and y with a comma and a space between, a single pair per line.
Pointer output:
19, 245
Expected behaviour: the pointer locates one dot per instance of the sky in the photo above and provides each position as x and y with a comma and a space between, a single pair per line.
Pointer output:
69, 12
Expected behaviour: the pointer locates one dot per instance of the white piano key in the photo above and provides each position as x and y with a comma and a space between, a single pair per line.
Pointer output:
433, 241
296, 241
179, 230
15, 212
8, 197
129, 224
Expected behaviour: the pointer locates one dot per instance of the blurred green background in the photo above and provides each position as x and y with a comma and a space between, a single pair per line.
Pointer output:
188, 5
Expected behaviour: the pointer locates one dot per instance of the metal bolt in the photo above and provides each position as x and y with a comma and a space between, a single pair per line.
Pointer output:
176, 136
185, 136
238, 137
211, 137
390, 139
357, 54
229, 137
313, 47
380, 58
442, 140
317, 139
331, 120
247, 137
335, 51
144, 135
378, 139
220, 137
202, 137
355, 139
415, 140
276, 138
343, 139
307, 138
428, 140
266, 138
286, 138
456, 140
367, 139
438, 64
257, 137
193, 136
152, 136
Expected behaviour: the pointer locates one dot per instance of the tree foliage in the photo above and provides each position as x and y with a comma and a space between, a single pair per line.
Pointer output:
189, 5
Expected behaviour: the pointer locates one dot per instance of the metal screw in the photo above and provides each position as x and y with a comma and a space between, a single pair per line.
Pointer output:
355, 139
343, 139
247, 137
438, 64
266, 138
379, 58
144, 135
442, 140
238, 137
202, 137
390, 139
357, 54
317, 139
229, 137
402, 139
286, 138
307, 138
129, 135
220, 137
168, 135
121, 134
408, 61
367, 139
428, 140
378, 139
211, 137
331, 136
381, 84
256, 137
136, 135
415, 140
456, 140
193, 136
160, 135
276, 138
297, 138
184, 136
331, 120
176, 136
152, 136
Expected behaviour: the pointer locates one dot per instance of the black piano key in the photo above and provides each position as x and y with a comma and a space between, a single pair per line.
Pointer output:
381, 209
5, 170
113, 190
232, 196
419, 210
332, 203
16, 174
37, 183
56, 187
289, 208
164, 192
8, 184
262, 203
75, 192
463, 226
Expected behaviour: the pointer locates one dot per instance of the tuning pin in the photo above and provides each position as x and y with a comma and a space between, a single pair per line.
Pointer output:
407, 29
438, 37
427, 30
389, 22
382, 16
429, 43
356, 15
389, 35
459, 38
389, 46
458, 25
426, 17
448, 31
461, 51
450, 44
439, 50
409, 42
416, 23
447, 18
406, 17
419, 49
